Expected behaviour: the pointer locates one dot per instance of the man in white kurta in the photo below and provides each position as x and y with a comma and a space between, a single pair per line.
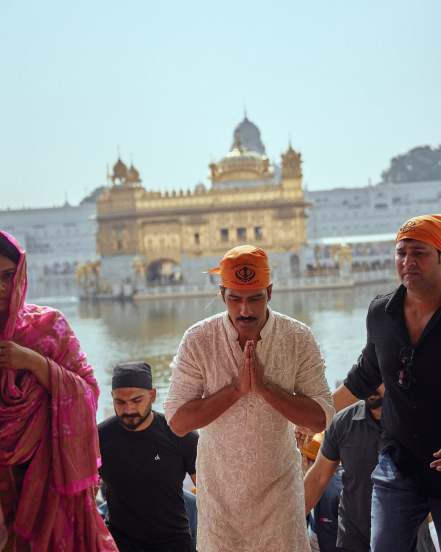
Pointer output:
250, 488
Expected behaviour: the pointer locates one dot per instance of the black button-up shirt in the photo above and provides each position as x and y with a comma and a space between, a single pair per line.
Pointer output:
412, 378
354, 438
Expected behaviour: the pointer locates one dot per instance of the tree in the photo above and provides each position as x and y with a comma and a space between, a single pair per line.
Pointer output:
419, 164
93, 196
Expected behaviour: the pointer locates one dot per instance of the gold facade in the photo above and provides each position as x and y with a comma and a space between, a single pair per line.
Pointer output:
249, 201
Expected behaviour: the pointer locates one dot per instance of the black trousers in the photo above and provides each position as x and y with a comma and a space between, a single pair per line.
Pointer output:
125, 544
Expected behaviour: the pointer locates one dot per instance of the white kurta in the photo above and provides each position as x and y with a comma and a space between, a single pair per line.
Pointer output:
250, 486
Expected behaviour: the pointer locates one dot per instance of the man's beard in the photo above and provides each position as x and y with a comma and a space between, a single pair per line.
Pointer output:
372, 404
140, 419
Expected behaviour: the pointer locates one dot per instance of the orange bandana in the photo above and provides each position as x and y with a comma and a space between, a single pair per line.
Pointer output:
244, 267
312, 446
425, 228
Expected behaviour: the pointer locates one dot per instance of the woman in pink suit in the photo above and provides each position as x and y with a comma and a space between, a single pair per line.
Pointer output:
49, 452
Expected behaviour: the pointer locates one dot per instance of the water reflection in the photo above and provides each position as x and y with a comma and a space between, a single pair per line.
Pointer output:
151, 330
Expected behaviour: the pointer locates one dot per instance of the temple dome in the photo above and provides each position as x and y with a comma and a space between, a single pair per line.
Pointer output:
119, 170
247, 134
133, 175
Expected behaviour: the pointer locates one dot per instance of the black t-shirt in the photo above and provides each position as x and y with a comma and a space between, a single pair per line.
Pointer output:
143, 472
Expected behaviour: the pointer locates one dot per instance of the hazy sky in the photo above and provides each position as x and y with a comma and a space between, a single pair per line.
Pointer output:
352, 84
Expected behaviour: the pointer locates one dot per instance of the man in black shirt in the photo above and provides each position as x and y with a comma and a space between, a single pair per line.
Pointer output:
352, 439
403, 351
143, 467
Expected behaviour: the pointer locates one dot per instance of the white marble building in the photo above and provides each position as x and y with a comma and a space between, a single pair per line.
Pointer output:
56, 239
371, 210
366, 219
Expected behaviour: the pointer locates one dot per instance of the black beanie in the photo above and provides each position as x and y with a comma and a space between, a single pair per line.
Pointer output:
132, 374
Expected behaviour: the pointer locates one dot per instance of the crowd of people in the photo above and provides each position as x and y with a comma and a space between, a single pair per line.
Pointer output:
366, 257
241, 380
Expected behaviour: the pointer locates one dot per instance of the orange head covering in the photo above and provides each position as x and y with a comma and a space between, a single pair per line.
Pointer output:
425, 228
312, 446
244, 267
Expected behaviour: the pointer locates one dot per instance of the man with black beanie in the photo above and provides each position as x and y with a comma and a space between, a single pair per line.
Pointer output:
143, 467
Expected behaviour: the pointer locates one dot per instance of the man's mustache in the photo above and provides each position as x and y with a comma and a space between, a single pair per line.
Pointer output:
246, 318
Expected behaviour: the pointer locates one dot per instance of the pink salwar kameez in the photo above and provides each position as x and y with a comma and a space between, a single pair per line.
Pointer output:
49, 454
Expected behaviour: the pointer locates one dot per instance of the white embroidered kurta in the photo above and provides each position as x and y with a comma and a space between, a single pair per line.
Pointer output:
250, 485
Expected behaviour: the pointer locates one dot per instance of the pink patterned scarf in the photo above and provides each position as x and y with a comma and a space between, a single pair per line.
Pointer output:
54, 433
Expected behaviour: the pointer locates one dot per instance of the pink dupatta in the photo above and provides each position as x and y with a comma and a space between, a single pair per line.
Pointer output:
3, 531
55, 433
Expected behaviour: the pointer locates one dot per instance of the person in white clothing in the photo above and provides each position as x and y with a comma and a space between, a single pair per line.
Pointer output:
244, 377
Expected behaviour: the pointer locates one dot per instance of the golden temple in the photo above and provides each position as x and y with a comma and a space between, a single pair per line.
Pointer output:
171, 237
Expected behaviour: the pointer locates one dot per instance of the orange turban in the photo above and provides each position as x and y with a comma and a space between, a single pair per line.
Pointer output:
312, 446
244, 267
425, 228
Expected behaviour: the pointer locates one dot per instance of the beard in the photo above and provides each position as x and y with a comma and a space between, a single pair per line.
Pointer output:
133, 421
373, 403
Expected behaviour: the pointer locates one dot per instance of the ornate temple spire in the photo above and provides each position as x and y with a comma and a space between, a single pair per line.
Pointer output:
291, 163
119, 172
133, 175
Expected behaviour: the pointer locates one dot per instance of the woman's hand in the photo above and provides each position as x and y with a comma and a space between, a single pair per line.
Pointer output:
17, 357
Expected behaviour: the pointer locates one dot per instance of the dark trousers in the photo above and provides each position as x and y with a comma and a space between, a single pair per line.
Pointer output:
398, 509
125, 544
192, 514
